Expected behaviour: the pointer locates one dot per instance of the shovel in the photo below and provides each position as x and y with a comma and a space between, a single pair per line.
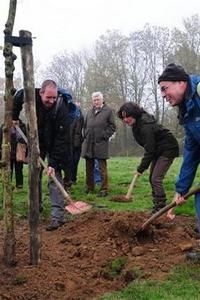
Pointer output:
165, 209
127, 197
73, 208
130, 189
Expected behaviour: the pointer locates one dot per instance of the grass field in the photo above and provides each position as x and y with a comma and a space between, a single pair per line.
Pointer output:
183, 282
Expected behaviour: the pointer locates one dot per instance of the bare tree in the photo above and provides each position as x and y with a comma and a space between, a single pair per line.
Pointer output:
187, 45
68, 70
138, 67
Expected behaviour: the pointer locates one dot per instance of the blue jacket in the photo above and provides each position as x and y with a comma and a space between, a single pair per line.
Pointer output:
190, 119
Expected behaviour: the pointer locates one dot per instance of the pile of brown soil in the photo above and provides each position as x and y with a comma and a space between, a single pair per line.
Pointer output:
95, 253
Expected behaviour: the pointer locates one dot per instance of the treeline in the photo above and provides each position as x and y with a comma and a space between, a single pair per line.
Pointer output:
126, 68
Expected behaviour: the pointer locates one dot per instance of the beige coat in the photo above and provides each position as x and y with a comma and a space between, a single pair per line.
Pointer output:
98, 128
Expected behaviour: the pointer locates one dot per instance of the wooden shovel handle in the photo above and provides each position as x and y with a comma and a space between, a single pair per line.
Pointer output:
167, 207
131, 186
56, 181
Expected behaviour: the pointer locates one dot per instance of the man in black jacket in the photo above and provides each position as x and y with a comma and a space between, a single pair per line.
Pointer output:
54, 116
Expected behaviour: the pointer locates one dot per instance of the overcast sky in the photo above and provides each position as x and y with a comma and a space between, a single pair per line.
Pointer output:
63, 24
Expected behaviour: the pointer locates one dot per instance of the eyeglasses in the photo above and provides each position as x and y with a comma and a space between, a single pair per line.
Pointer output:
163, 88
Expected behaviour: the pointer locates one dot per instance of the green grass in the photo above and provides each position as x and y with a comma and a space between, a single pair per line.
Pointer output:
121, 170
183, 282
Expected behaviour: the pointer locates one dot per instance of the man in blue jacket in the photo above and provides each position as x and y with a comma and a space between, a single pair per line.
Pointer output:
183, 90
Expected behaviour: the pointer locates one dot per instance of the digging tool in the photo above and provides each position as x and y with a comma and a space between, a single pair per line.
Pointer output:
74, 208
165, 209
130, 189
127, 197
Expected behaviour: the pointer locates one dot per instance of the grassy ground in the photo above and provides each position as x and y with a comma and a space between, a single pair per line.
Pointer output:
183, 282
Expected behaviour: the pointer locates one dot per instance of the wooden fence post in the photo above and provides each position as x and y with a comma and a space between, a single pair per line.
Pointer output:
33, 145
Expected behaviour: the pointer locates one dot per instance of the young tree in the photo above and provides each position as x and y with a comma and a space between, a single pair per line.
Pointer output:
9, 241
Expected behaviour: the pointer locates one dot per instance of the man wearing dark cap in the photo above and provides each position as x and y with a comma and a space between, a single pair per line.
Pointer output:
183, 90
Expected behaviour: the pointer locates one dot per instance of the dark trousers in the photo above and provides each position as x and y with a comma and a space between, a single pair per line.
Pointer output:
75, 160
90, 162
17, 168
43, 156
158, 170
70, 173
56, 198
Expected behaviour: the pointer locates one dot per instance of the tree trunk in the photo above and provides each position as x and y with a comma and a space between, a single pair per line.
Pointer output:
33, 147
9, 240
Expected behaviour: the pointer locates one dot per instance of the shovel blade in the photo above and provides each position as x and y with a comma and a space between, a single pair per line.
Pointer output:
78, 207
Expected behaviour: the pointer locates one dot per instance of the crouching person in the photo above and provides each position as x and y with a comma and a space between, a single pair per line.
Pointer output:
160, 148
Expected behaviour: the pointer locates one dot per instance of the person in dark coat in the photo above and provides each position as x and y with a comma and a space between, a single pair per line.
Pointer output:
77, 140
54, 118
160, 148
76, 146
99, 126
15, 165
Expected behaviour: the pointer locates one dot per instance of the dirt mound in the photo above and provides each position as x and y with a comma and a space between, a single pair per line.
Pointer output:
95, 253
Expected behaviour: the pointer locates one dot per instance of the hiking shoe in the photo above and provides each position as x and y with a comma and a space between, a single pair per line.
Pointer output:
193, 256
54, 225
102, 194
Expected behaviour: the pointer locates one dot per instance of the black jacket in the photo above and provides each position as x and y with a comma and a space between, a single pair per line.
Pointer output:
76, 130
155, 139
53, 128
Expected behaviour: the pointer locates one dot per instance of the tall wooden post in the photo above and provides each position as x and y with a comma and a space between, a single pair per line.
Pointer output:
9, 240
33, 144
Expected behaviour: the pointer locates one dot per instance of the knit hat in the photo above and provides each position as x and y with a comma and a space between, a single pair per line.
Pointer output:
173, 72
